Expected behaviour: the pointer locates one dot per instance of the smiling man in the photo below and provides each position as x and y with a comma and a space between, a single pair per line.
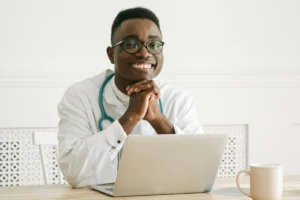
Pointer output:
97, 114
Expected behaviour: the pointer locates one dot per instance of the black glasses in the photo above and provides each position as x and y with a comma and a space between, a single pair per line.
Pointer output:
132, 46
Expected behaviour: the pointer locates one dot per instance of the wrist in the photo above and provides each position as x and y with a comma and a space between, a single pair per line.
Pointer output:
162, 125
128, 121
157, 120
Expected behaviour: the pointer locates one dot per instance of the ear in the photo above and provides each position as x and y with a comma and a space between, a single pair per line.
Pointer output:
110, 54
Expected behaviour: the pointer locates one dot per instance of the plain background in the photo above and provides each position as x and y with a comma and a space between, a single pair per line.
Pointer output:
238, 59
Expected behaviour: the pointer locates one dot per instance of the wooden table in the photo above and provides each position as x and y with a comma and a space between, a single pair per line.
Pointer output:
291, 192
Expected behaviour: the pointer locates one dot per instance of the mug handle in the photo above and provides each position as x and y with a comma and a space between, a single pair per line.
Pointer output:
238, 183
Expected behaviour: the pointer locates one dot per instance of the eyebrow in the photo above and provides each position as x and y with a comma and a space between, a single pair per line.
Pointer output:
137, 37
153, 37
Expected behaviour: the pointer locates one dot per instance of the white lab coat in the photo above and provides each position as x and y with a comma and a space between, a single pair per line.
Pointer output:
88, 156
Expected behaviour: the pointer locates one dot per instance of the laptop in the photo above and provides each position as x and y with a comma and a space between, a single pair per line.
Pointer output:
167, 164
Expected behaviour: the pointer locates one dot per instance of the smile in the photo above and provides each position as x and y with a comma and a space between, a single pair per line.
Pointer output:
142, 66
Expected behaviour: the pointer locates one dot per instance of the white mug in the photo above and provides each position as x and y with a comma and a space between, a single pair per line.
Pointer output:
265, 181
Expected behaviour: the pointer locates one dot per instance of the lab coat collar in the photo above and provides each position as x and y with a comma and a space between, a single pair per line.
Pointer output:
108, 93
110, 97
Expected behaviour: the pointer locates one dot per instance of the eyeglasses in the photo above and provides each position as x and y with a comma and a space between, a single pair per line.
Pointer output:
132, 46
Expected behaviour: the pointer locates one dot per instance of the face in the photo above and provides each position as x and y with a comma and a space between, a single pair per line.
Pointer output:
142, 65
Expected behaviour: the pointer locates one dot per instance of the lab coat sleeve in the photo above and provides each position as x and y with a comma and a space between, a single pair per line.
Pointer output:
187, 121
85, 158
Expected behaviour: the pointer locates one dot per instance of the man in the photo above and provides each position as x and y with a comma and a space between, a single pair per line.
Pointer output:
88, 145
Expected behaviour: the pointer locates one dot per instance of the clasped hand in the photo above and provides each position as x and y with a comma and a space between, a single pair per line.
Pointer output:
143, 100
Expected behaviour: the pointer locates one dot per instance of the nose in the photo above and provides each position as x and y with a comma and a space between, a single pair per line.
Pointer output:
143, 52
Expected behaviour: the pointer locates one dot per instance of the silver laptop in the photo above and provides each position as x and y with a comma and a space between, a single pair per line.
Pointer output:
167, 164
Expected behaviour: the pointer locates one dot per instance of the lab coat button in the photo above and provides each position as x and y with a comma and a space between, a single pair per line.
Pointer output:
119, 141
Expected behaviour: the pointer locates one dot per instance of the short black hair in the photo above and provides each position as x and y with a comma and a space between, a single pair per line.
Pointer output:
132, 13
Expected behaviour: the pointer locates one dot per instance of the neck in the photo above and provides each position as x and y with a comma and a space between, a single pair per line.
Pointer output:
122, 83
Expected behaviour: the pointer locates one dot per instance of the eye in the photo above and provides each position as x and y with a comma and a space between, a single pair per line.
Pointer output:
131, 44
155, 45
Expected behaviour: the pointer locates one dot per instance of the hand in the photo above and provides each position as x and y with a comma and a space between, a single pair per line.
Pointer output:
153, 110
143, 85
138, 105
158, 121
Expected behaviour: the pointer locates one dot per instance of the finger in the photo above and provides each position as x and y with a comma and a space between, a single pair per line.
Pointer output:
148, 93
130, 92
156, 88
133, 88
136, 84
146, 86
142, 87
130, 88
156, 93
153, 97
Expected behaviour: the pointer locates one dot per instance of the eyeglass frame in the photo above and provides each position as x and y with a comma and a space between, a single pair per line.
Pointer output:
142, 43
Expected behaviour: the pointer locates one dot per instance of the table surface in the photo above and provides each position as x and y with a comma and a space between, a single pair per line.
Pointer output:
291, 191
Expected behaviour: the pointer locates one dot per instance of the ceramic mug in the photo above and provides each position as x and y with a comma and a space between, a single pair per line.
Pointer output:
266, 181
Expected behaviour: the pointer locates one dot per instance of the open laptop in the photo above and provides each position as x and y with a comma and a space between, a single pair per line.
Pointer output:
167, 164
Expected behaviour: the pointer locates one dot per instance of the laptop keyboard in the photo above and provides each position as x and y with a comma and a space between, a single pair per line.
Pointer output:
110, 189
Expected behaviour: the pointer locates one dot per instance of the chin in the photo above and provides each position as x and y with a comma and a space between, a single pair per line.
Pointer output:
142, 76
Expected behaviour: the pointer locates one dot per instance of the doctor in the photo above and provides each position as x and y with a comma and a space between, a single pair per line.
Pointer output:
97, 114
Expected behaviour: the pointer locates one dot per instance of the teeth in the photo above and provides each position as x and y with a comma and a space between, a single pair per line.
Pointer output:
142, 66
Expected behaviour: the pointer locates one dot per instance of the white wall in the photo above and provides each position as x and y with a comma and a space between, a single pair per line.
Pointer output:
239, 59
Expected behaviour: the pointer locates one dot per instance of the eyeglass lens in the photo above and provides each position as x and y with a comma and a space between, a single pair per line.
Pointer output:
133, 46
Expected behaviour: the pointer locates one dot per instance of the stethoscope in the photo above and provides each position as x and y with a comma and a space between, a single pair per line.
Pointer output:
104, 116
